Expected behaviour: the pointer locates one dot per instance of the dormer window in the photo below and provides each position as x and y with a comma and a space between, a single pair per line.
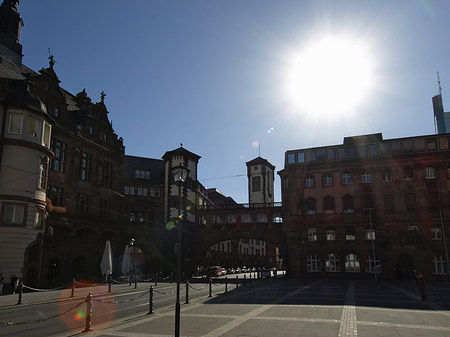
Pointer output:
91, 130
56, 111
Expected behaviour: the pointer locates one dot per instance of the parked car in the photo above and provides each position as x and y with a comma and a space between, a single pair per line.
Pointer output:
237, 270
214, 271
230, 271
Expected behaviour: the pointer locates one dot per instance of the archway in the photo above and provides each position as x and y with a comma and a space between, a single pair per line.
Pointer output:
404, 267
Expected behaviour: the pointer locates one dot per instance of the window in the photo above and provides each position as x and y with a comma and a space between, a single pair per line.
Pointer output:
56, 111
408, 173
347, 202
370, 234
327, 180
310, 205
132, 217
42, 174
332, 263
341, 153
15, 123
39, 218
261, 218
215, 219
362, 150
155, 192
352, 263
106, 173
331, 234
58, 163
352, 151
286, 183
144, 191
33, 127
431, 144
14, 214
331, 154
277, 218
366, 178
142, 174
46, 135
139, 191
436, 234
85, 166
105, 208
321, 154
373, 150
56, 195
346, 178
131, 190
82, 202
386, 175
443, 143
291, 158
440, 265
141, 217
430, 173
126, 190
231, 218
313, 263
309, 181
350, 233
105, 137
301, 157
256, 184
246, 218
373, 265
328, 205
312, 234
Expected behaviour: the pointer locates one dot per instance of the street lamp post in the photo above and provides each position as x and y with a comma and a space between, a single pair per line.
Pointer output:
180, 174
132, 241
372, 235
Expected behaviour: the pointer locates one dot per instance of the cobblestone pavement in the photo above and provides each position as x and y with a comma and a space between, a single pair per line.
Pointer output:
286, 308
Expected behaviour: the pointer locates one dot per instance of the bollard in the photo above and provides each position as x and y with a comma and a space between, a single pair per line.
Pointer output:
129, 279
250, 279
20, 289
88, 313
245, 280
226, 284
109, 283
73, 288
210, 288
171, 277
135, 281
156, 279
187, 292
150, 302
237, 282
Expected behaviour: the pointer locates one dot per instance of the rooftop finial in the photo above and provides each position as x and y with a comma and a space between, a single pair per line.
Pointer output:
51, 58
102, 95
181, 144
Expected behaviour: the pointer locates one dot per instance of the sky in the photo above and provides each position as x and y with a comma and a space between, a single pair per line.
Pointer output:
233, 80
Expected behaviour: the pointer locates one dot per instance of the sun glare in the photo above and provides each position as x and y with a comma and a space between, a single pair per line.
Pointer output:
330, 76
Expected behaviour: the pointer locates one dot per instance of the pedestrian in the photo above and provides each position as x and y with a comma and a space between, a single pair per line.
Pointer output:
14, 283
421, 283
1, 284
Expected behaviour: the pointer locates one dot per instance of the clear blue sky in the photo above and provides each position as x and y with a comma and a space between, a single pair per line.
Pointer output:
214, 74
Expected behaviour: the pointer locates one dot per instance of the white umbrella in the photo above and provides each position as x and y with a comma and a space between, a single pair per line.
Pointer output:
126, 261
107, 265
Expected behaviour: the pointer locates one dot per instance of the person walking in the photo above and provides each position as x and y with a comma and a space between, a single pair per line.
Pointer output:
421, 283
14, 283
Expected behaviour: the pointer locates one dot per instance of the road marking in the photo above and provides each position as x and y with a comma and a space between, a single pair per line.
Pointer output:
349, 327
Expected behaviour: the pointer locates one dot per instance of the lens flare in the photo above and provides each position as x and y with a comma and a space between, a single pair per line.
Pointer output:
170, 225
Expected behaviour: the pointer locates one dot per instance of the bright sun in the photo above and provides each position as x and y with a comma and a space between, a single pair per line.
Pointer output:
330, 76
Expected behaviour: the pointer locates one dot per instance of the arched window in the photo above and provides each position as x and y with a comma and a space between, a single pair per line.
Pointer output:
310, 205
313, 263
373, 265
352, 263
332, 263
347, 202
328, 205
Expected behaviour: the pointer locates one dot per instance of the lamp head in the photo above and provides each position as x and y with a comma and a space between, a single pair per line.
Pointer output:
180, 173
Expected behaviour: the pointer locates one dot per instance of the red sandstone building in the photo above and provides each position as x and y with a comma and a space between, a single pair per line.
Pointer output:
368, 208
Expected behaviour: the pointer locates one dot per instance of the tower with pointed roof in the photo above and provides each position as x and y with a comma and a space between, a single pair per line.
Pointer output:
10, 26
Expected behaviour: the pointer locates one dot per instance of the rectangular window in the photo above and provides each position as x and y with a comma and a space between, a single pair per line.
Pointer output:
436, 234
256, 184
58, 163
312, 234
386, 176
126, 190
373, 150
144, 191
346, 178
309, 182
301, 157
331, 154
443, 143
56, 195
46, 135
341, 153
139, 191
327, 180
106, 173
362, 150
321, 154
350, 234
366, 178
85, 166
331, 234
131, 190
352, 151
38, 218
15, 123
291, 158
431, 144
141, 217
14, 215
311, 155
33, 126
132, 217
430, 173
82, 202
370, 234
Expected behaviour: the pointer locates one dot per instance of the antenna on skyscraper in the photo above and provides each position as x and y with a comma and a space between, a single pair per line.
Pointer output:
439, 83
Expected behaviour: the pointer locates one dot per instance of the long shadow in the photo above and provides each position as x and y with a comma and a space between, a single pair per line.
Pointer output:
367, 293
